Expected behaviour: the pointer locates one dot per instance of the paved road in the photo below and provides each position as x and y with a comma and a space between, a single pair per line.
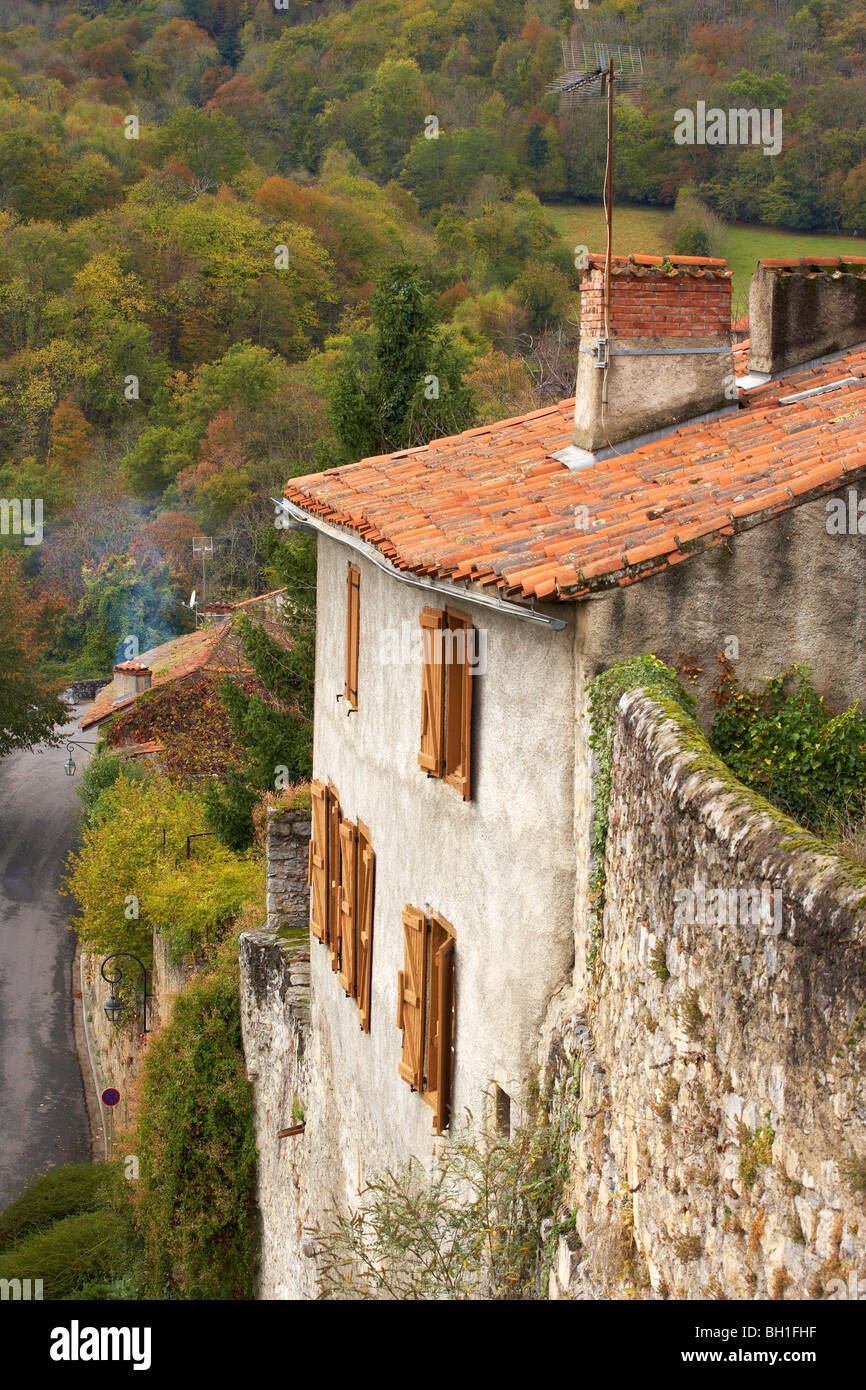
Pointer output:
43, 1117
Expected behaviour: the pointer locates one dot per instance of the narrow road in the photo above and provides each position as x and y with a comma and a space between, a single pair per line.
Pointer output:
43, 1116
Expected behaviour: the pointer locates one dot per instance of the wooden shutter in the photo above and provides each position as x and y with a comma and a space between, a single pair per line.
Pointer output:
411, 997
364, 938
458, 710
353, 616
432, 691
348, 897
318, 862
333, 937
440, 1022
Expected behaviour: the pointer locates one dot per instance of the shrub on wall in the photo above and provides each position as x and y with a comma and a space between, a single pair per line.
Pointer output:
783, 740
194, 1202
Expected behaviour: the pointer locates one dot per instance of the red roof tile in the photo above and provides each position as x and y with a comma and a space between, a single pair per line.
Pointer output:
492, 506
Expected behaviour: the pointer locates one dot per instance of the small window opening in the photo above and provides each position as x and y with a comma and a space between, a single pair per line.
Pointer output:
502, 1102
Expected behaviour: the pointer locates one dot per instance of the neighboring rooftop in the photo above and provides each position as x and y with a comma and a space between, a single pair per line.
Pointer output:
494, 506
214, 649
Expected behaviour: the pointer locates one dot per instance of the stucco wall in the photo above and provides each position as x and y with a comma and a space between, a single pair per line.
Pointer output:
786, 590
720, 1065
499, 867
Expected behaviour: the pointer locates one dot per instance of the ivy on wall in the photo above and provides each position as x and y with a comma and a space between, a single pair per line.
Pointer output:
605, 693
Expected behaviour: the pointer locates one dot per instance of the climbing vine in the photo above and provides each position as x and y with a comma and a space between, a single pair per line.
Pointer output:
605, 693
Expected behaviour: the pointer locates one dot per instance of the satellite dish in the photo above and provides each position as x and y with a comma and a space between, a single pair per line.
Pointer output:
192, 599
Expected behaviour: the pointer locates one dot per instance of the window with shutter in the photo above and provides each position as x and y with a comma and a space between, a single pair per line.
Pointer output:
364, 935
432, 691
348, 892
458, 701
440, 1022
334, 890
318, 863
353, 615
411, 997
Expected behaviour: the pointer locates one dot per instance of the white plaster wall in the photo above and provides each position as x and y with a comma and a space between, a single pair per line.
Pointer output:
500, 867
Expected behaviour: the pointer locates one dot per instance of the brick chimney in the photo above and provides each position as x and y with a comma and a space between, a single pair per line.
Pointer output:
801, 309
668, 353
131, 678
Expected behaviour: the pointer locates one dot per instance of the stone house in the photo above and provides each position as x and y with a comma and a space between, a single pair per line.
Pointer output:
175, 686
467, 591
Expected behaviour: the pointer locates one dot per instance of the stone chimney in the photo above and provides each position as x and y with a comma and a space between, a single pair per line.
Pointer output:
668, 354
801, 309
131, 678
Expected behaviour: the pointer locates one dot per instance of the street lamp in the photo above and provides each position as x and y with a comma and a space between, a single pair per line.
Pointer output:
70, 765
113, 1005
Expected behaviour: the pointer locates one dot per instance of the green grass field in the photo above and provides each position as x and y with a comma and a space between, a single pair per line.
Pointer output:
641, 230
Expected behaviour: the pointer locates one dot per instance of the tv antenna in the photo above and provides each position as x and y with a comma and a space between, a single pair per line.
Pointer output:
589, 69
201, 545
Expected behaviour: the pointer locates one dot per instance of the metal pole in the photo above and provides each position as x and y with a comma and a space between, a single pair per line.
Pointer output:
609, 197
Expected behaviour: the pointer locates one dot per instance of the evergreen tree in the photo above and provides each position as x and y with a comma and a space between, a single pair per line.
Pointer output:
400, 382
276, 730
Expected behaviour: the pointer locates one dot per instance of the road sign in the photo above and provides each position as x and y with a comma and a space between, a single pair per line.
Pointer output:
110, 1096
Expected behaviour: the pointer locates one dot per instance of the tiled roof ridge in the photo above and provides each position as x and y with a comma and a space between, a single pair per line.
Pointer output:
696, 267
816, 264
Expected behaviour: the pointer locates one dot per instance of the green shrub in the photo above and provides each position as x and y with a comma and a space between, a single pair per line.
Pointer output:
136, 848
785, 742
482, 1225
69, 1253
100, 774
195, 1206
65, 1191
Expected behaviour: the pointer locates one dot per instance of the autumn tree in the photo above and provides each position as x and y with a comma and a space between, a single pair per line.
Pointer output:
29, 705
70, 434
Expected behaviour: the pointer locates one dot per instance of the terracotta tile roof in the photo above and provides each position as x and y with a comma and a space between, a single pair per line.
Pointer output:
741, 356
214, 649
492, 506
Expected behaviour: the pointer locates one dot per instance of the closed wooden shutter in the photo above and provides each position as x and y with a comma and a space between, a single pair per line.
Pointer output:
348, 897
333, 937
366, 885
440, 1023
432, 691
353, 617
411, 997
458, 711
318, 862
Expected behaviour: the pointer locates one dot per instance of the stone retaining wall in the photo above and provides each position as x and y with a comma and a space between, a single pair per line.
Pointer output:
275, 1026
720, 1060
